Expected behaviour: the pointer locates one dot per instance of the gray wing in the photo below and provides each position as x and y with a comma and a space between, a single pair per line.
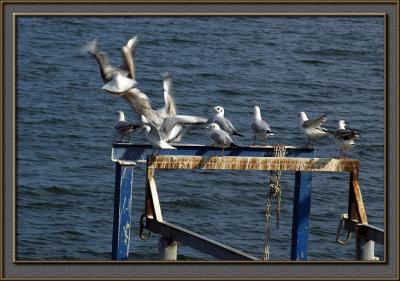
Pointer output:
260, 126
315, 123
221, 137
154, 133
140, 104
170, 106
128, 52
170, 122
225, 124
123, 126
347, 134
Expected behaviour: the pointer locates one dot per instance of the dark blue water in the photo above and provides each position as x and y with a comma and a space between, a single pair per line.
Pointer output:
65, 178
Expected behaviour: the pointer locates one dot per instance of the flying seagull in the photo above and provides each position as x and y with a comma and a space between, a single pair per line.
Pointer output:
312, 127
117, 83
154, 136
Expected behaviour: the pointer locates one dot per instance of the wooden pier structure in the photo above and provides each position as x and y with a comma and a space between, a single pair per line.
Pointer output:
261, 158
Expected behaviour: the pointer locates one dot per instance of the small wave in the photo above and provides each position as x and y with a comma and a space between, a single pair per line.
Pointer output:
185, 203
59, 190
181, 40
312, 62
333, 52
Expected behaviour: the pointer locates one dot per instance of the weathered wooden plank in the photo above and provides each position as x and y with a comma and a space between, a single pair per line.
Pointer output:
196, 241
148, 202
352, 212
154, 198
362, 215
253, 163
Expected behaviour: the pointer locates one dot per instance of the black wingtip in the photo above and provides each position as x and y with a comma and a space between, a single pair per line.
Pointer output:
234, 145
237, 134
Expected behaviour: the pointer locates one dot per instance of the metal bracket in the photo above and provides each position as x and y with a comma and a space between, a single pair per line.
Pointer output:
141, 234
348, 238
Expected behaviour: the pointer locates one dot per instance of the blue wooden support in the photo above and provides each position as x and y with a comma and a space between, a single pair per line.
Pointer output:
122, 211
125, 155
301, 215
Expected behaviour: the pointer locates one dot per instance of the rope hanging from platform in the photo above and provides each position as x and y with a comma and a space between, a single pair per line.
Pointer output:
274, 191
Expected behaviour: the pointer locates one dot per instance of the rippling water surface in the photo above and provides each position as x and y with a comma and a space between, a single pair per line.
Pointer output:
65, 178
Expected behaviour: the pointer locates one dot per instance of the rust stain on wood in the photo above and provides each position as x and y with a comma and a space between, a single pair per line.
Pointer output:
362, 216
254, 163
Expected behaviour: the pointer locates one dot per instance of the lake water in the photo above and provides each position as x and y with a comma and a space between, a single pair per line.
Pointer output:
65, 178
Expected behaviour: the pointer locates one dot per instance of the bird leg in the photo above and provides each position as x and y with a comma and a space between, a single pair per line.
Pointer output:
254, 141
222, 152
265, 140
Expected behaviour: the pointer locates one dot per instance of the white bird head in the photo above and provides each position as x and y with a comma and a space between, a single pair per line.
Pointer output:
341, 125
120, 115
257, 112
219, 109
214, 126
303, 117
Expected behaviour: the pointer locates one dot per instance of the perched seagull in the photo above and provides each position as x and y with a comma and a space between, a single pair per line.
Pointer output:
220, 137
259, 126
154, 136
165, 119
312, 128
223, 122
345, 137
123, 127
115, 80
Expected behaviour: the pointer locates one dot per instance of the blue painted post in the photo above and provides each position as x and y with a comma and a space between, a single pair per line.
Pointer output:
122, 212
301, 216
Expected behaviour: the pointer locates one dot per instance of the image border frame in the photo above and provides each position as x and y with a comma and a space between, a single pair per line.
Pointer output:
2, 139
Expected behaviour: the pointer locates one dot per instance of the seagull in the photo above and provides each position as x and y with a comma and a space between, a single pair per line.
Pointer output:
169, 109
123, 127
164, 119
312, 128
345, 137
220, 137
154, 136
223, 122
259, 126
115, 80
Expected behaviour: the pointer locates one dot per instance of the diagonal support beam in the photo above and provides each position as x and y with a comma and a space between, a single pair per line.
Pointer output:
196, 241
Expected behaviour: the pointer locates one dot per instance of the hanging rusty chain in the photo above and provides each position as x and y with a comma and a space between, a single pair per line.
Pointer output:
274, 191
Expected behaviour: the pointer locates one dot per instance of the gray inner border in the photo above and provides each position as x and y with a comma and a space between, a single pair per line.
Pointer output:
129, 270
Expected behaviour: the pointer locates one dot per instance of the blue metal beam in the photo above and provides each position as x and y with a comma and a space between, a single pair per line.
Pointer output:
301, 216
139, 152
122, 212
